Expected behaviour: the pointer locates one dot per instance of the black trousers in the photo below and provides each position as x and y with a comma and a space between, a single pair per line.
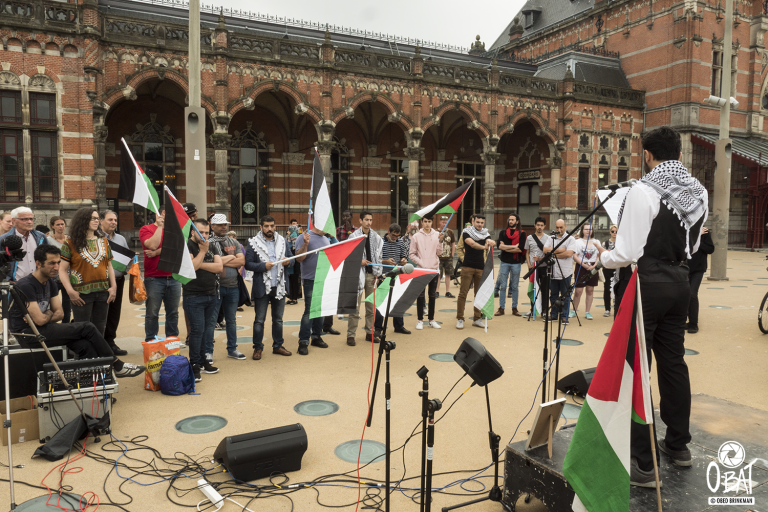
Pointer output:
608, 274
693, 306
665, 307
431, 288
294, 283
82, 338
113, 315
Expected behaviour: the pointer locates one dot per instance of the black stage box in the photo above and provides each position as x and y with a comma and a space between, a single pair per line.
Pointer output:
577, 383
24, 363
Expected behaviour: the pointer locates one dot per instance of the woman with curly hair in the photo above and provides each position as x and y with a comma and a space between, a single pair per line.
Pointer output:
86, 270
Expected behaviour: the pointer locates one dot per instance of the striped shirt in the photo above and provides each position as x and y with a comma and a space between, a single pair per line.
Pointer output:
396, 250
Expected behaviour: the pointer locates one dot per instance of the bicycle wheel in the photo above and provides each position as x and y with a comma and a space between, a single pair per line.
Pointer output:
762, 315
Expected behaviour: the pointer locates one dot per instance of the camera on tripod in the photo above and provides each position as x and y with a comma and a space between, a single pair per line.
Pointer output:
10, 251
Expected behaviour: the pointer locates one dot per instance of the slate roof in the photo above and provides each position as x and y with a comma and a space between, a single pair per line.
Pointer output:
552, 13
585, 68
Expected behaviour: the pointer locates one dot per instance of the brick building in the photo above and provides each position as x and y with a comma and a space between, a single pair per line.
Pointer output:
397, 123
672, 50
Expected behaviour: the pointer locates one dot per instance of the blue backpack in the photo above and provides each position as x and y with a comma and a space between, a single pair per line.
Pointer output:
176, 376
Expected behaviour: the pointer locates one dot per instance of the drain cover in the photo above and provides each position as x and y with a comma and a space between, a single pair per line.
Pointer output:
571, 411
68, 501
690, 352
371, 450
201, 424
442, 357
316, 408
572, 343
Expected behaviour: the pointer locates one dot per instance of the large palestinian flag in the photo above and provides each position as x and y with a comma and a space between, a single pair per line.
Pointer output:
175, 257
337, 277
597, 462
449, 203
484, 300
121, 256
322, 213
407, 289
135, 185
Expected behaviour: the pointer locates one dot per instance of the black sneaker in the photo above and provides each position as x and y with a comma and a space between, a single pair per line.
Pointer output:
129, 370
679, 457
449, 295
196, 372
318, 342
693, 328
209, 368
640, 478
437, 295
303, 349
118, 351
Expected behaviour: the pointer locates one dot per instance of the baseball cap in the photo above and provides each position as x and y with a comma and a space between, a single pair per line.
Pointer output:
189, 208
219, 218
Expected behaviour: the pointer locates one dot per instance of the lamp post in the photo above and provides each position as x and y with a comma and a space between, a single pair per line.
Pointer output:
194, 121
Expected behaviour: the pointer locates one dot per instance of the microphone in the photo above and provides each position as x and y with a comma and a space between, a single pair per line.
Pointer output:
617, 186
405, 269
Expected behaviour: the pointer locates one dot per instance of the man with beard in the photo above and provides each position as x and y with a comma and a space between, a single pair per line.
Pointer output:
368, 275
233, 258
263, 256
512, 255
476, 241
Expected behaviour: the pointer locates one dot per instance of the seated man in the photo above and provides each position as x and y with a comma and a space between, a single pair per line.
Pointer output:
40, 291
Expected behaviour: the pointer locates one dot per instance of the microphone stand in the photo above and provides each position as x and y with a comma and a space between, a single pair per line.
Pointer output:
384, 346
546, 262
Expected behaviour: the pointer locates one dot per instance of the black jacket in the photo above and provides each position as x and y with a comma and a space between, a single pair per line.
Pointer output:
698, 263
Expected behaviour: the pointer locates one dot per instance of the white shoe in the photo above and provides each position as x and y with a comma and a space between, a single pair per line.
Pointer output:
479, 323
426, 312
209, 358
433, 324
607, 313
460, 324
419, 325
130, 370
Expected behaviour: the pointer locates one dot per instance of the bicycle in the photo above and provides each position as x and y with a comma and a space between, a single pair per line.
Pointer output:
763, 308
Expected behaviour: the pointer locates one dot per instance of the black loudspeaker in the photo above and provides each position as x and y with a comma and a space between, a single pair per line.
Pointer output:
23, 366
576, 383
259, 454
478, 362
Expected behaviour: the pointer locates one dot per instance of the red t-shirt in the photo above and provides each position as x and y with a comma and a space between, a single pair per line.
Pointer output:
150, 264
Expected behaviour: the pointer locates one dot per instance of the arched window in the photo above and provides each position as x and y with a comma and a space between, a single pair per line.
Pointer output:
340, 185
248, 166
528, 168
154, 149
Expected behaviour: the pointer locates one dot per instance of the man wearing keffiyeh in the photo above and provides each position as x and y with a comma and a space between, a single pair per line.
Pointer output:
477, 240
660, 227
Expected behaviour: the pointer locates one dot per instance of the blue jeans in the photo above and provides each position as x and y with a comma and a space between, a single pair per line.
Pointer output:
201, 311
165, 290
229, 299
557, 288
511, 272
278, 306
313, 327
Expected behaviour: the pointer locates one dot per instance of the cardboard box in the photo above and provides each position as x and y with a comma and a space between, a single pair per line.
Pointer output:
24, 421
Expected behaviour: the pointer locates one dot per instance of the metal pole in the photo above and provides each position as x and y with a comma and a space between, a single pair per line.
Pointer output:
722, 199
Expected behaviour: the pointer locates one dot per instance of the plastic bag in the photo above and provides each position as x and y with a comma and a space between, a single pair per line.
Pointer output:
155, 353
136, 291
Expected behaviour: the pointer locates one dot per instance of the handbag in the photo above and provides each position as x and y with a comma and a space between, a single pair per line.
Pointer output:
600, 275
245, 297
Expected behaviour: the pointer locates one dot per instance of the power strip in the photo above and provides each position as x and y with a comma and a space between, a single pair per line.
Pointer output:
210, 493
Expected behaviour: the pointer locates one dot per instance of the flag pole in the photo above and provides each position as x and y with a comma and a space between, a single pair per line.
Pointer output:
311, 193
191, 221
317, 250
644, 353
448, 223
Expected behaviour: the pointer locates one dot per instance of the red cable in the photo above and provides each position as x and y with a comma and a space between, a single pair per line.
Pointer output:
93, 498
368, 397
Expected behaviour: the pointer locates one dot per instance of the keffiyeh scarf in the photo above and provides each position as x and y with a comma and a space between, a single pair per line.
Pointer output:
259, 244
476, 235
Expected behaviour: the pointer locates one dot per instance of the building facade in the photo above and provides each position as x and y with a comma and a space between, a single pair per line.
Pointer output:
396, 125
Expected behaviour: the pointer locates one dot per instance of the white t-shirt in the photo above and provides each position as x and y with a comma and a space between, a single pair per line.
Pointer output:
533, 248
563, 267
588, 255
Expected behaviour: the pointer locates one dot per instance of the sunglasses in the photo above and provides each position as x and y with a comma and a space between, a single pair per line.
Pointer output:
613, 231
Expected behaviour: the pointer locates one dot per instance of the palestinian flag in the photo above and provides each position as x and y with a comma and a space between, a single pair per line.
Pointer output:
175, 257
535, 296
135, 186
122, 257
597, 462
321, 213
337, 278
449, 203
484, 300
407, 289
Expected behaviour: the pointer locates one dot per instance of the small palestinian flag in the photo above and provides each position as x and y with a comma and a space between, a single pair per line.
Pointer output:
535, 296
484, 300
175, 257
320, 208
407, 289
135, 185
122, 257
337, 277
449, 203
597, 462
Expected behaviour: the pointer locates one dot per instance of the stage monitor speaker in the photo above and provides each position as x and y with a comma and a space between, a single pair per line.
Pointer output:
473, 357
576, 383
259, 454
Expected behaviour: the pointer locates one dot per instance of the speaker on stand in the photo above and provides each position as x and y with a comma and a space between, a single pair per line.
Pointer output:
576, 383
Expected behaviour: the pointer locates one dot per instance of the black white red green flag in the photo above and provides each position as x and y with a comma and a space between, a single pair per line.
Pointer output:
337, 276
406, 290
320, 207
449, 203
135, 186
484, 298
122, 257
175, 257
597, 462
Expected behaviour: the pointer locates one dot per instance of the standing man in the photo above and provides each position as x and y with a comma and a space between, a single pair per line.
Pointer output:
425, 251
660, 227
345, 230
534, 246
232, 258
448, 249
262, 257
697, 266
368, 275
108, 226
191, 210
562, 270
23, 221
162, 288
311, 329
201, 300
512, 254
393, 252
477, 241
